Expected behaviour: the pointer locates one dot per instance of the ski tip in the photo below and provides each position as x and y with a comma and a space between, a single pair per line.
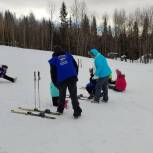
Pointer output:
12, 110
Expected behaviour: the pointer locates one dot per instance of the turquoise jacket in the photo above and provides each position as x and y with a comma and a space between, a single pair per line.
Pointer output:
54, 92
101, 64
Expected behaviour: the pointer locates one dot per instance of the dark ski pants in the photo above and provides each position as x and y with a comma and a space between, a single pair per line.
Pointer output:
8, 78
91, 88
72, 87
102, 84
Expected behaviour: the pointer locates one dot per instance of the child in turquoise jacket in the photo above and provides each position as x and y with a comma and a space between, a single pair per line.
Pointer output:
54, 92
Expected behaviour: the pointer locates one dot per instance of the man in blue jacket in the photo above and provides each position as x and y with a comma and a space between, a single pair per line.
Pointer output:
102, 74
64, 72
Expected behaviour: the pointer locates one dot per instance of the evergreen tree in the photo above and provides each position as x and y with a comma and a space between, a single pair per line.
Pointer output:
145, 40
136, 41
64, 26
85, 35
93, 32
123, 43
110, 40
1, 28
9, 24
105, 37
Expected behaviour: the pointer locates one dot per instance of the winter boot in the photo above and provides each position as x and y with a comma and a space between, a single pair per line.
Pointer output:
91, 96
77, 113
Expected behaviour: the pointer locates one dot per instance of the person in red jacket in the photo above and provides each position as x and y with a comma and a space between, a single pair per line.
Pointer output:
119, 84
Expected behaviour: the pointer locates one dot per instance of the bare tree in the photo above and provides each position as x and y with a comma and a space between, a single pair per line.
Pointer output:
78, 11
51, 8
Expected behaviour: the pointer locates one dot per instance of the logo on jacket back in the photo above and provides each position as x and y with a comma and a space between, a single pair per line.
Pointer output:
62, 60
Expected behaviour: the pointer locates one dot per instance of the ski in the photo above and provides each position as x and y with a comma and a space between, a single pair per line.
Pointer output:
80, 97
47, 111
29, 113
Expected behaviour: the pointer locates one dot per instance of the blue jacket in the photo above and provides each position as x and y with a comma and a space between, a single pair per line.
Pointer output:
62, 67
101, 64
54, 92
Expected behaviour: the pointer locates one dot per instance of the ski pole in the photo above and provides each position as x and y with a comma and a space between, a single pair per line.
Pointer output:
35, 87
38, 88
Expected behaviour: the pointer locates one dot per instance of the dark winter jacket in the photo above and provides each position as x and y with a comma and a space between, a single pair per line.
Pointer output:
93, 81
2, 72
63, 67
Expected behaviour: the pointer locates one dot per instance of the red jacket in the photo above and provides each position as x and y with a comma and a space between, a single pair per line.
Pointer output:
120, 83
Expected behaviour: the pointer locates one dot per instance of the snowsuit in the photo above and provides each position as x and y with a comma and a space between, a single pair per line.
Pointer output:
120, 83
103, 72
3, 70
90, 87
64, 71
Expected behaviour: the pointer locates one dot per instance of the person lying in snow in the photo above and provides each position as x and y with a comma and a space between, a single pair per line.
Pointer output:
3, 70
119, 84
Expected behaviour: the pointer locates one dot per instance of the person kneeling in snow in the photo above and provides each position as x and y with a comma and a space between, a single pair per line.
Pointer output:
119, 84
90, 87
3, 70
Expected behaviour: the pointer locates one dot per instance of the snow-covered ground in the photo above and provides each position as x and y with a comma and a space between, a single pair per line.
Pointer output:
123, 125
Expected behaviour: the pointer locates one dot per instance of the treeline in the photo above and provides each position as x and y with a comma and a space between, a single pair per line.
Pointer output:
128, 36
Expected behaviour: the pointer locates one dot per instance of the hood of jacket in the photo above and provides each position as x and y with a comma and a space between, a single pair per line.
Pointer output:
94, 52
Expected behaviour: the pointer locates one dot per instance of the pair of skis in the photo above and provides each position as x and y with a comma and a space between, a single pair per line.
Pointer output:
36, 111
31, 113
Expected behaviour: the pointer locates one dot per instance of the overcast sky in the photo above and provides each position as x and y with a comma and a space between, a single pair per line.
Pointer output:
99, 7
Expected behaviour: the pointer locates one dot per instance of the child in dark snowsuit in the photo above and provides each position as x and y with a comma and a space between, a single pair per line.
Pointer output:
119, 84
3, 70
90, 87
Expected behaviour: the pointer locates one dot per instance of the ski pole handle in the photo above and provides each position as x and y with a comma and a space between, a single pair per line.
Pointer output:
34, 75
39, 75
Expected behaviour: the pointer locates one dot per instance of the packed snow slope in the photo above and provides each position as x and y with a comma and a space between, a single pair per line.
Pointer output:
123, 125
